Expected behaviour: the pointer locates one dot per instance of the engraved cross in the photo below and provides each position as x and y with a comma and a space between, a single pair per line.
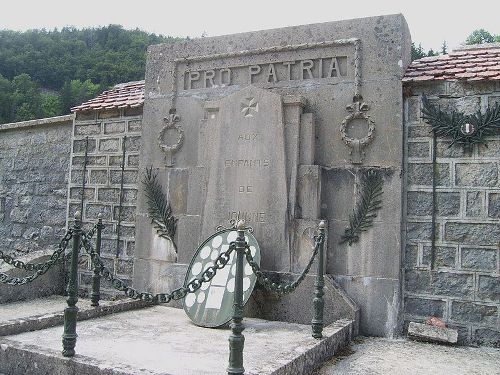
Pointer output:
249, 105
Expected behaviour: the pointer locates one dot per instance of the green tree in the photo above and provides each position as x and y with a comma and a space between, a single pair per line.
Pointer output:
480, 36
5, 100
51, 104
75, 92
444, 48
26, 99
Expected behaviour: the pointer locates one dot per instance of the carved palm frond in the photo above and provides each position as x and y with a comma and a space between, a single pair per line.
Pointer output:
366, 208
159, 209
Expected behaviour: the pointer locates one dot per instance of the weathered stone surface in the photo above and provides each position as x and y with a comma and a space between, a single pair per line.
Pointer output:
421, 130
424, 307
494, 205
475, 203
441, 283
79, 145
426, 332
490, 149
114, 127
444, 256
420, 231
87, 129
411, 256
418, 149
420, 203
479, 259
445, 149
476, 174
489, 288
472, 233
489, 337
422, 174
109, 145
474, 312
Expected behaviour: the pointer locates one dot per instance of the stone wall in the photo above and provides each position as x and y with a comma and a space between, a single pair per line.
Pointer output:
106, 131
34, 166
464, 290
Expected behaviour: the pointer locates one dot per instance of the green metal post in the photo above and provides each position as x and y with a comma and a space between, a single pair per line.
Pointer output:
236, 339
96, 277
318, 302
70, 312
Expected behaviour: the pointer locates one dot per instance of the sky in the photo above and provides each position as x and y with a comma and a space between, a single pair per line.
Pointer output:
430, 22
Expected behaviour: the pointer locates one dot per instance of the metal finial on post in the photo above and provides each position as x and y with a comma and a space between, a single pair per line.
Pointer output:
70, 312
96, 277
236, 339
318, 302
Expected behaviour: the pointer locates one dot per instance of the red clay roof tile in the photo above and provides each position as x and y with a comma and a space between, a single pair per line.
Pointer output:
471, 64
123, 95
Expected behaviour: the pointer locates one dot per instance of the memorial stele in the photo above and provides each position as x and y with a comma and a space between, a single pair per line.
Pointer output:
274, 127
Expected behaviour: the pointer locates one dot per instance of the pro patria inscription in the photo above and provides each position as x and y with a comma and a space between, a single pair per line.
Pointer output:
247, 172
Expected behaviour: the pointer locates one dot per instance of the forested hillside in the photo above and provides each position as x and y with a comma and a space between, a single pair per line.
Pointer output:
45, 73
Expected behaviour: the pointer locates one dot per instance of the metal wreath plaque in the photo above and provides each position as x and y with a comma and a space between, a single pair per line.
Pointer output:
212, 304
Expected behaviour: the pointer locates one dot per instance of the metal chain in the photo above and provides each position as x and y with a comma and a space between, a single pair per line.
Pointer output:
283, 288
91, 232
40, 268
176, 294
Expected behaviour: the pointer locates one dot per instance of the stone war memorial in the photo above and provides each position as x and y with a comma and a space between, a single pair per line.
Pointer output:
293, 187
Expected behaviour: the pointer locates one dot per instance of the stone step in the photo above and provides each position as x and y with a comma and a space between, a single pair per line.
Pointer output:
162, 340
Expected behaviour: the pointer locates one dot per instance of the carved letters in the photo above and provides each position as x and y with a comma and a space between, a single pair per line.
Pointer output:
319, 68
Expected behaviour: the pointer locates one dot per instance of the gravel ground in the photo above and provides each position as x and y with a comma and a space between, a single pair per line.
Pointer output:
375, 356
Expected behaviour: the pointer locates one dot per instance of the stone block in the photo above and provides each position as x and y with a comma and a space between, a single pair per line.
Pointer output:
489, 288
424, 307
130, 248
87, 129
418, 149
422, 130
309, 191
494, 205
479, 259
108, 113
125, 267
472, 233
91, 160
92, 210
475, 203
79, 145
98, 176
127, 213
411, 256
115, 160
133, 161
445, 149
453, 284
178, 190
474, 312
19, 215
129, 195
420, 231
413, 109
134, 125
132, 143
109, 145
425, 332
444, 256
108, 195
417, 281
422, 174
419, 203
491, 149
114, 127
476, 174
486, 336
129, 176
188, 237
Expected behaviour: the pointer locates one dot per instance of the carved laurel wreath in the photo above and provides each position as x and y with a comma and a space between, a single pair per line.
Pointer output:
159, 209
358, 111
466, 130
171, 123
366, 209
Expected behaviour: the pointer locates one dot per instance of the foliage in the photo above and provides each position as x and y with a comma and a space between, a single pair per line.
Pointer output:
481, 36
446, 124
366, 208
418, 52
159, 209
74, 65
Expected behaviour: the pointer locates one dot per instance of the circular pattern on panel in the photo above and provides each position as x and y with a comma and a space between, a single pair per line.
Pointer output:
212, 304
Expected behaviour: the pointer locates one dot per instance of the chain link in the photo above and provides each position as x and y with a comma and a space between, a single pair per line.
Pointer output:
283, 288
91, 232
176, 294
40, 268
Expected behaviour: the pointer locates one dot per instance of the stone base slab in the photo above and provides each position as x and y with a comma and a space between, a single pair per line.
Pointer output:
162, 340
425, 332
